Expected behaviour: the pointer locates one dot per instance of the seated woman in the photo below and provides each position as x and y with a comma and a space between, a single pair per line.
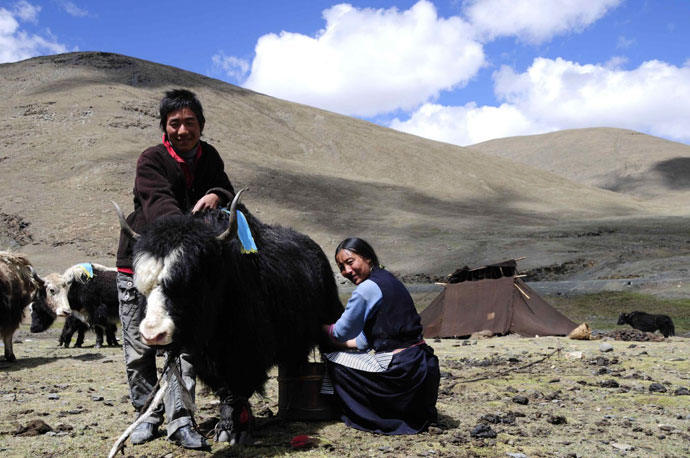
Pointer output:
392, 390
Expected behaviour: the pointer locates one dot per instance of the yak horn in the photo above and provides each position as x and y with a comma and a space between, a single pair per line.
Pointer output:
39, 280
231, 231
126, 228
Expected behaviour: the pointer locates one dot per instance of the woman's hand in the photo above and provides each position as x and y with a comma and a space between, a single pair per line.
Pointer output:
343, 346
351, 344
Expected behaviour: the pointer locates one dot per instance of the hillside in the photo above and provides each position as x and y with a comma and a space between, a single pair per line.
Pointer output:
75, 124
618, 160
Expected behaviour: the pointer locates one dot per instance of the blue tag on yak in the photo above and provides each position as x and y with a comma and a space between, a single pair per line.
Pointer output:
245, 235
87, 268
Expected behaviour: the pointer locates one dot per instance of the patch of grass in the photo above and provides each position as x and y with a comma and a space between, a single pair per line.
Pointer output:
650, 400
601, 310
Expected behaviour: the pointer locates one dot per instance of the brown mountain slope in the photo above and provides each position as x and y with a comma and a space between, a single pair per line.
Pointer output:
75, 124
615, 159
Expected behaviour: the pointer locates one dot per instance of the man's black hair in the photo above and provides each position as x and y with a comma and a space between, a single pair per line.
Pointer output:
178, 99
360, 247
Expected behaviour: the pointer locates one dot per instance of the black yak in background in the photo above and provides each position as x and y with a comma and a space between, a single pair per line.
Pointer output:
86, 294
43, 317
238, 314
648, 323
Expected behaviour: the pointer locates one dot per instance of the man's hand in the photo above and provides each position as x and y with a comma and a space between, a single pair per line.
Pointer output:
208, 201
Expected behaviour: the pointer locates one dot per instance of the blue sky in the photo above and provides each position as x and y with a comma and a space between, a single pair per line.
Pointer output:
460, 71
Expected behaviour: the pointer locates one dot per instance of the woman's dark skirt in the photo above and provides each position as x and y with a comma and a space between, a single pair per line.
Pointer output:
401, 400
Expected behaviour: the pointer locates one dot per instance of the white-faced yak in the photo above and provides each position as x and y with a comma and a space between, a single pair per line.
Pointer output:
86, 294
237, 313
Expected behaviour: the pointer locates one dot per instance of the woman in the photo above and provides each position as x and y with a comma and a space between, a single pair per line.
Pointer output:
394, 389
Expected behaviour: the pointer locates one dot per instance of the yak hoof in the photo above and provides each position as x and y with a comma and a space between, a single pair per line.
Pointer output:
222, 436
245, 438
233, 437
240, 439
10, 358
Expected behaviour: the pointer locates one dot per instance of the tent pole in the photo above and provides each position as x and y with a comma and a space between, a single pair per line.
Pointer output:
520, 289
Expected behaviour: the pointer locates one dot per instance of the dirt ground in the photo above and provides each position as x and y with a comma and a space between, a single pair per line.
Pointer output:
541, 397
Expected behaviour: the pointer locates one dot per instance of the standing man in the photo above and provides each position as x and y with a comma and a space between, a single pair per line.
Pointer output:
179, 175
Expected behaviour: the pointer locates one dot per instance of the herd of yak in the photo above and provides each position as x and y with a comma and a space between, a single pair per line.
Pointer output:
228, 308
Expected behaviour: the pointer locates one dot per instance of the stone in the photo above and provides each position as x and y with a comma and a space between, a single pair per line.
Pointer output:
483, 431
605, 347
520, 400
657, 388
557, 420
610, 383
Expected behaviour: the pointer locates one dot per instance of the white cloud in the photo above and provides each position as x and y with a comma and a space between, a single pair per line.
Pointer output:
73, 10
233, 67
624, 42
533, 21
26, 11
15, 43
466, 125
558, 94
368, 61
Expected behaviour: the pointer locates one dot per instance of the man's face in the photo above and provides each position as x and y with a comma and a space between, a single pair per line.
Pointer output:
183, 129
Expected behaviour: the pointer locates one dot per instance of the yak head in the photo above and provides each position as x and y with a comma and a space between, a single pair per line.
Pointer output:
623, 318
178, 264
58, 286
42, 316
56, 289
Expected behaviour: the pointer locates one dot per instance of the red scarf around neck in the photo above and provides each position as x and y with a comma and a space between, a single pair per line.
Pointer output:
188, 174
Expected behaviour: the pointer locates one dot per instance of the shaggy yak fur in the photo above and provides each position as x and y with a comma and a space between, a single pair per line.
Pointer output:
91, 300
648, 323
20, 287
238, 314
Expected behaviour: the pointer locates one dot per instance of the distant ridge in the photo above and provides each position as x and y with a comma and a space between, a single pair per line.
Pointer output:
619, 160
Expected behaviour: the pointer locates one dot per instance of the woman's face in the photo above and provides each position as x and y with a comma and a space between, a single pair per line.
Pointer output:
352, 266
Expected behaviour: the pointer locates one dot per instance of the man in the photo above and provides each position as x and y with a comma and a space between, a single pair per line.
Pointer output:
181, 174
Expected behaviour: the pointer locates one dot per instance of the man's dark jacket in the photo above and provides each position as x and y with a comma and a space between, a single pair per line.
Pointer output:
161, 189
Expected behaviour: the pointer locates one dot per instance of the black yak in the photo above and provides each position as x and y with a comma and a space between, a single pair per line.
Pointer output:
648, 323
237, 313
43, 317
89, 292
20, 287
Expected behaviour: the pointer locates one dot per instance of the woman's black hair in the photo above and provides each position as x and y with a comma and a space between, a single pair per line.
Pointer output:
178, 99
360, 247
